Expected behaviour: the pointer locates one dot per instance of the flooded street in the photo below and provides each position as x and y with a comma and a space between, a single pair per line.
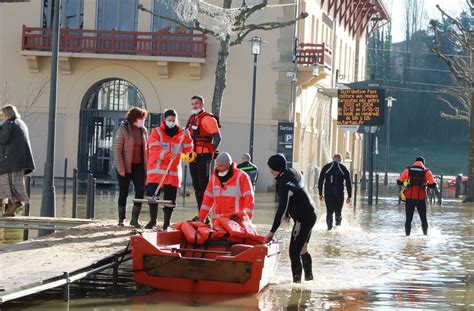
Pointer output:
367, 263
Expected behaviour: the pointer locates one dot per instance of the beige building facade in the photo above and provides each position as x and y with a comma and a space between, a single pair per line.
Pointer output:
113, 58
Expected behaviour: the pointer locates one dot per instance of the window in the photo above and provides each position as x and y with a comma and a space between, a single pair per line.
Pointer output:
163, 25
72, 14
117, 15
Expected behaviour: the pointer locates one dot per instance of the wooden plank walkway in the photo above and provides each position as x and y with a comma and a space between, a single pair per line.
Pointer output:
53, 223
27, 265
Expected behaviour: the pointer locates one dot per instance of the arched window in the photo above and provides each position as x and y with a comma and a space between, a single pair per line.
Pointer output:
113, 95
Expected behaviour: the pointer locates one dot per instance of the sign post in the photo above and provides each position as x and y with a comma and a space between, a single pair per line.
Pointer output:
364, 108
285, 141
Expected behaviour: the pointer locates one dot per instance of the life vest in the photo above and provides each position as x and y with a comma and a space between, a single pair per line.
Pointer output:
202, 139
416, 176
234, 227
198, 233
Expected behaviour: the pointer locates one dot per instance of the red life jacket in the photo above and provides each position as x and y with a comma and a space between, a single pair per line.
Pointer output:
416, 189
201, 138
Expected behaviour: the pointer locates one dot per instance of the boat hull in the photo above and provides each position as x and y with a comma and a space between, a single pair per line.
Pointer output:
163, 260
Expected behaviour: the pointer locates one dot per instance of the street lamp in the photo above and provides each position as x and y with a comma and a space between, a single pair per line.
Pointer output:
390, 101
48, 200
256, 49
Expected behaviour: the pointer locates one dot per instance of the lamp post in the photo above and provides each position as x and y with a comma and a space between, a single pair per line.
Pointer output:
390, 101
48, 201
256, 49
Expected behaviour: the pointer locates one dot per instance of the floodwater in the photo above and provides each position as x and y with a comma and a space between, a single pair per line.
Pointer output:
366, 263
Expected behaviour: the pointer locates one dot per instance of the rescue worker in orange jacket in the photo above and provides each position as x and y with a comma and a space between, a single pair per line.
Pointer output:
416, 178
204, 129
229, 190
166, 143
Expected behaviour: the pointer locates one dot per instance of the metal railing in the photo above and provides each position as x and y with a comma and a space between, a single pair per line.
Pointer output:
116, 42
307, 53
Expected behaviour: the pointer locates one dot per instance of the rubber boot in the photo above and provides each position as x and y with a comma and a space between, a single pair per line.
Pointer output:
307, 266
135, 222
121, 215
297, 278
167, 212
153, 216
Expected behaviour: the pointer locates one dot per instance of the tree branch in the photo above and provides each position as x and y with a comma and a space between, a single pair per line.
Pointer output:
196, 26
247, 11
453, 20
243, 31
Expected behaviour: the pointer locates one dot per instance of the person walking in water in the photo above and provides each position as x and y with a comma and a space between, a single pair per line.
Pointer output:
333, 175
416, 179
295, 202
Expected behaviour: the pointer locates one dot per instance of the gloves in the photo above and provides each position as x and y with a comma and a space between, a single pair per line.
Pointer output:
195, 218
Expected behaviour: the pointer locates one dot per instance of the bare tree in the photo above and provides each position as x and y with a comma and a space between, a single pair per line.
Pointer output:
33, 92
461, 67
240, 30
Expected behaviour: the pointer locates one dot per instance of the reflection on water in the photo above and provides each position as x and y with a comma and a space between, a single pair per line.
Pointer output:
367, 263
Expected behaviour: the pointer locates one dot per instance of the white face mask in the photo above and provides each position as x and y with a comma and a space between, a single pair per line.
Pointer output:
222, 174
140, 123
170, 124
195, 111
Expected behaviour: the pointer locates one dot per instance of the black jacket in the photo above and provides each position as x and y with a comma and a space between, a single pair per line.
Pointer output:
294, 199
251, 170
15, 149
333, 176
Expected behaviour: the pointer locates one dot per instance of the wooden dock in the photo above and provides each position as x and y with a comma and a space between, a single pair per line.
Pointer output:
61, 258
48, 223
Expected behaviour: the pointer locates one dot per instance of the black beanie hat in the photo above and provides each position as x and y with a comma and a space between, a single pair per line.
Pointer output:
421, 159
170, 112
277, 162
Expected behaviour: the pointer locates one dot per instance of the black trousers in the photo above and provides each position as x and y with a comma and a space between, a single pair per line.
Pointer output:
169, 192
300, 235
138, 177
334, 203
199, 170
410, 210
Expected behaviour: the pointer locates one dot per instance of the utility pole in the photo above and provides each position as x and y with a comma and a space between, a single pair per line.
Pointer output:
48, 201
390, 101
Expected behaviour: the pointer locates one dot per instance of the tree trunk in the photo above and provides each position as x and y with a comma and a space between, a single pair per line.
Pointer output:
221, 75
470, 150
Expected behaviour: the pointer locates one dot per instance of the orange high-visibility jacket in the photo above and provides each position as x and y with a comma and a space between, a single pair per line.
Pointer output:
234, 196
417, 190
162, 149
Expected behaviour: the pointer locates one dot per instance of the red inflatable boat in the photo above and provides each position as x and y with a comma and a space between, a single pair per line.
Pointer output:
167, 261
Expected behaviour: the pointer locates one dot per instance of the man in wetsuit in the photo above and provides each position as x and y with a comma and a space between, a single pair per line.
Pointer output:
295, 202
333, 176
416, 179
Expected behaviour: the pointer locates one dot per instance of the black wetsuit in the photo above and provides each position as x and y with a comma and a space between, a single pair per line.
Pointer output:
295, 202
333, 176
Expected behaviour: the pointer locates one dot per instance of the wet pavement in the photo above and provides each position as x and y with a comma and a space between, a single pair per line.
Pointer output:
366, 263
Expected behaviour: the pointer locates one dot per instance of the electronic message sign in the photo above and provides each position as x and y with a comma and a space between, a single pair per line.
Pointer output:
360, 107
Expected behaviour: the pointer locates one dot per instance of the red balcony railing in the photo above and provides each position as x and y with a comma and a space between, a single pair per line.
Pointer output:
308, 53
116, 42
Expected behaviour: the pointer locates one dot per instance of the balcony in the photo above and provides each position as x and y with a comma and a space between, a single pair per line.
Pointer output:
111, 44
307, 55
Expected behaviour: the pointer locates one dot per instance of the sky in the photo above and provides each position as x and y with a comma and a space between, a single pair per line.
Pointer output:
453, 7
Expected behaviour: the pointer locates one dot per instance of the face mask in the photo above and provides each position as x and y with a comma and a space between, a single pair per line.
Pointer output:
222, 174
140, 123
170, 124
195, 111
